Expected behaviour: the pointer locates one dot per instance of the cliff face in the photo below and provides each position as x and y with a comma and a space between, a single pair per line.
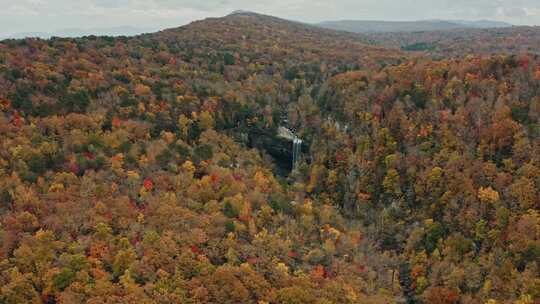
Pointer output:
278, 143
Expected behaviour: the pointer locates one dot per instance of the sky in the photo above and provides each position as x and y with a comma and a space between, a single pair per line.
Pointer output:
18, 16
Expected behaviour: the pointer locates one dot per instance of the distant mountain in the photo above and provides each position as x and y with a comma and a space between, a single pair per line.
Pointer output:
367, 26
113, 31
23, 35
79, 32
483, 23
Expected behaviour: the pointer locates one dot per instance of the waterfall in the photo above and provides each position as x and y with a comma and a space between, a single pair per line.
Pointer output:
297, 150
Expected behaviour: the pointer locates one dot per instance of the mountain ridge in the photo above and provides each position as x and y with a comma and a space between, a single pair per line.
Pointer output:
348, 25
374, 26
82, 32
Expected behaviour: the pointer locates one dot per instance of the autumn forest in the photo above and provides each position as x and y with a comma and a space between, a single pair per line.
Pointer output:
250, 159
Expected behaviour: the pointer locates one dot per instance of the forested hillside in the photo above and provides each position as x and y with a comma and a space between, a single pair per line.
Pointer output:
155, 169
462, 42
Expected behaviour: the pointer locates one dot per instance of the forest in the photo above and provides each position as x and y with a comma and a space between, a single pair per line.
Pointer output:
156, 168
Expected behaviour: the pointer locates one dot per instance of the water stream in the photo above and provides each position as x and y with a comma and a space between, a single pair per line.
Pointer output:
297, 150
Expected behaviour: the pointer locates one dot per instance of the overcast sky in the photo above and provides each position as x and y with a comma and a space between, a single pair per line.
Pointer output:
49, 15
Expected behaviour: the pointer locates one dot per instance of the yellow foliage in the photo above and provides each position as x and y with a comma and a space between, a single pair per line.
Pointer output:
184, 122
56, 187
524, 299
488, 195
261, 181
117, 162
282, 268
120, 90
332, 178
206, 121
133, 175
143, 161
188, 166
391, 182
16, 151
390, 161
307, 207
143, 192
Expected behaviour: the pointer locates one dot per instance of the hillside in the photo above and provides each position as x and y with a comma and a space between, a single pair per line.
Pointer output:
461, 42
160, 169
128, 170
372, 26
266, 38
